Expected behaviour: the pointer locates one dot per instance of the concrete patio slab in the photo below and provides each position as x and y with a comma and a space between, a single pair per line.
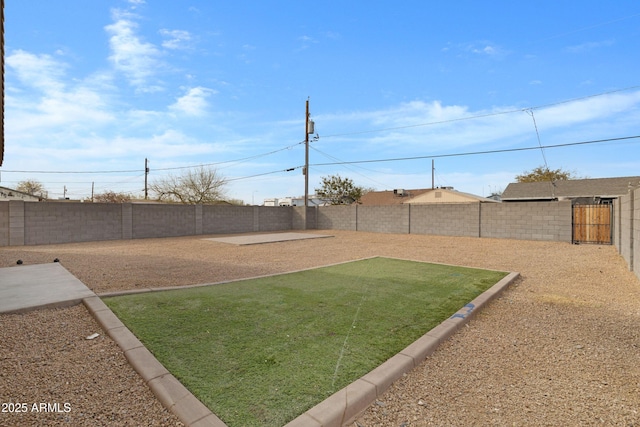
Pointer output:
256, 239
28, 287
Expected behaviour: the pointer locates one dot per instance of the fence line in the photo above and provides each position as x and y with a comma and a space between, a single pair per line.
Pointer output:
35, 223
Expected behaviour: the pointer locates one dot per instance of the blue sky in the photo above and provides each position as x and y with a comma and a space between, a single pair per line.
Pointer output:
94, 88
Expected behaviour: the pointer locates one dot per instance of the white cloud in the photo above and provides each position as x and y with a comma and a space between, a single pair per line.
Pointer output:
176, 39
136, 59
45, 101
589, 109
306, 42
38, 71
585, 47
332, 35
431, 127
490, 50
194, 102
480, 48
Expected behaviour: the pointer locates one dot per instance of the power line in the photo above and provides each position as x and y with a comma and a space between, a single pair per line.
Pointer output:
354, 171
473, 153
435, 156
263, 174
535, 125
289, 147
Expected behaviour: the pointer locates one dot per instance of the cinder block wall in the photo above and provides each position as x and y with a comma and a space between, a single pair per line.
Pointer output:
635, 261
274, 218
384, 219
163, 220
446, 219
228, 219
297, 218
337, 217
4, 224
616, 224
527, 221
626, 228
52, 222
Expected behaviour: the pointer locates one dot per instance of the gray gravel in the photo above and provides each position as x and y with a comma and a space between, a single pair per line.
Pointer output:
561, 347
46, 358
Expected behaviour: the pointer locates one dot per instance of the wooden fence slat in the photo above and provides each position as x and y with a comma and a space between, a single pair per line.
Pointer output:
592, 224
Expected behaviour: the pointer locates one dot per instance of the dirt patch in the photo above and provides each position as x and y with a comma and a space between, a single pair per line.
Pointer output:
559, 348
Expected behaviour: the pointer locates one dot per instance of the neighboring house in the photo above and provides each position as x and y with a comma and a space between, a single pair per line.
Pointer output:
294, 201
390, 197
579, 191
312, 200
421, 196
10, 194
448, 195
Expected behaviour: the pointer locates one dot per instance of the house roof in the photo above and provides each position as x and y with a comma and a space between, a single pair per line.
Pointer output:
418, 196
573, 188
10, 193
444, 195
376, 198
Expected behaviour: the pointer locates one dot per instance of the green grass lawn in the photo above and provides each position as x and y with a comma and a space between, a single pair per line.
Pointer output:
260, 352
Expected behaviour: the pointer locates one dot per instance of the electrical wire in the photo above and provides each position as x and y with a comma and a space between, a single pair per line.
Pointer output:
354, 171
473, 153
237, 161
262, 174
535, 125
289, 147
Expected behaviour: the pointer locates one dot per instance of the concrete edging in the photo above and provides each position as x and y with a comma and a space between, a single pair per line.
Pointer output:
169, 391
339, 409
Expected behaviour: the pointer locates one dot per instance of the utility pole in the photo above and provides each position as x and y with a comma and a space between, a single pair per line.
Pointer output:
433, 170
306, 163
146, 173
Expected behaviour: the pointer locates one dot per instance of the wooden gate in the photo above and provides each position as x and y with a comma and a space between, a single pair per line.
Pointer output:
592, 223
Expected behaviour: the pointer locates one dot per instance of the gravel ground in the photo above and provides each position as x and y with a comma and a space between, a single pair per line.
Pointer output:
561, 347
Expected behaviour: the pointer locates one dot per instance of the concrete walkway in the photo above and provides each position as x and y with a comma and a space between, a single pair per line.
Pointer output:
255, 239
29, 287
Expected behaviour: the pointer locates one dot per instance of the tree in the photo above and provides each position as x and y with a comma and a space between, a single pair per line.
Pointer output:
112, 197
339, 191
33, 187
199, 185
543, 173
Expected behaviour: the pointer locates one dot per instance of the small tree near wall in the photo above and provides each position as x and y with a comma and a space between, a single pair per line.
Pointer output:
339, 191
195, 186
543, 173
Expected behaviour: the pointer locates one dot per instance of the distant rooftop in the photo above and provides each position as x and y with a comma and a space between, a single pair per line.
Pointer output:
573, 188
391, 197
